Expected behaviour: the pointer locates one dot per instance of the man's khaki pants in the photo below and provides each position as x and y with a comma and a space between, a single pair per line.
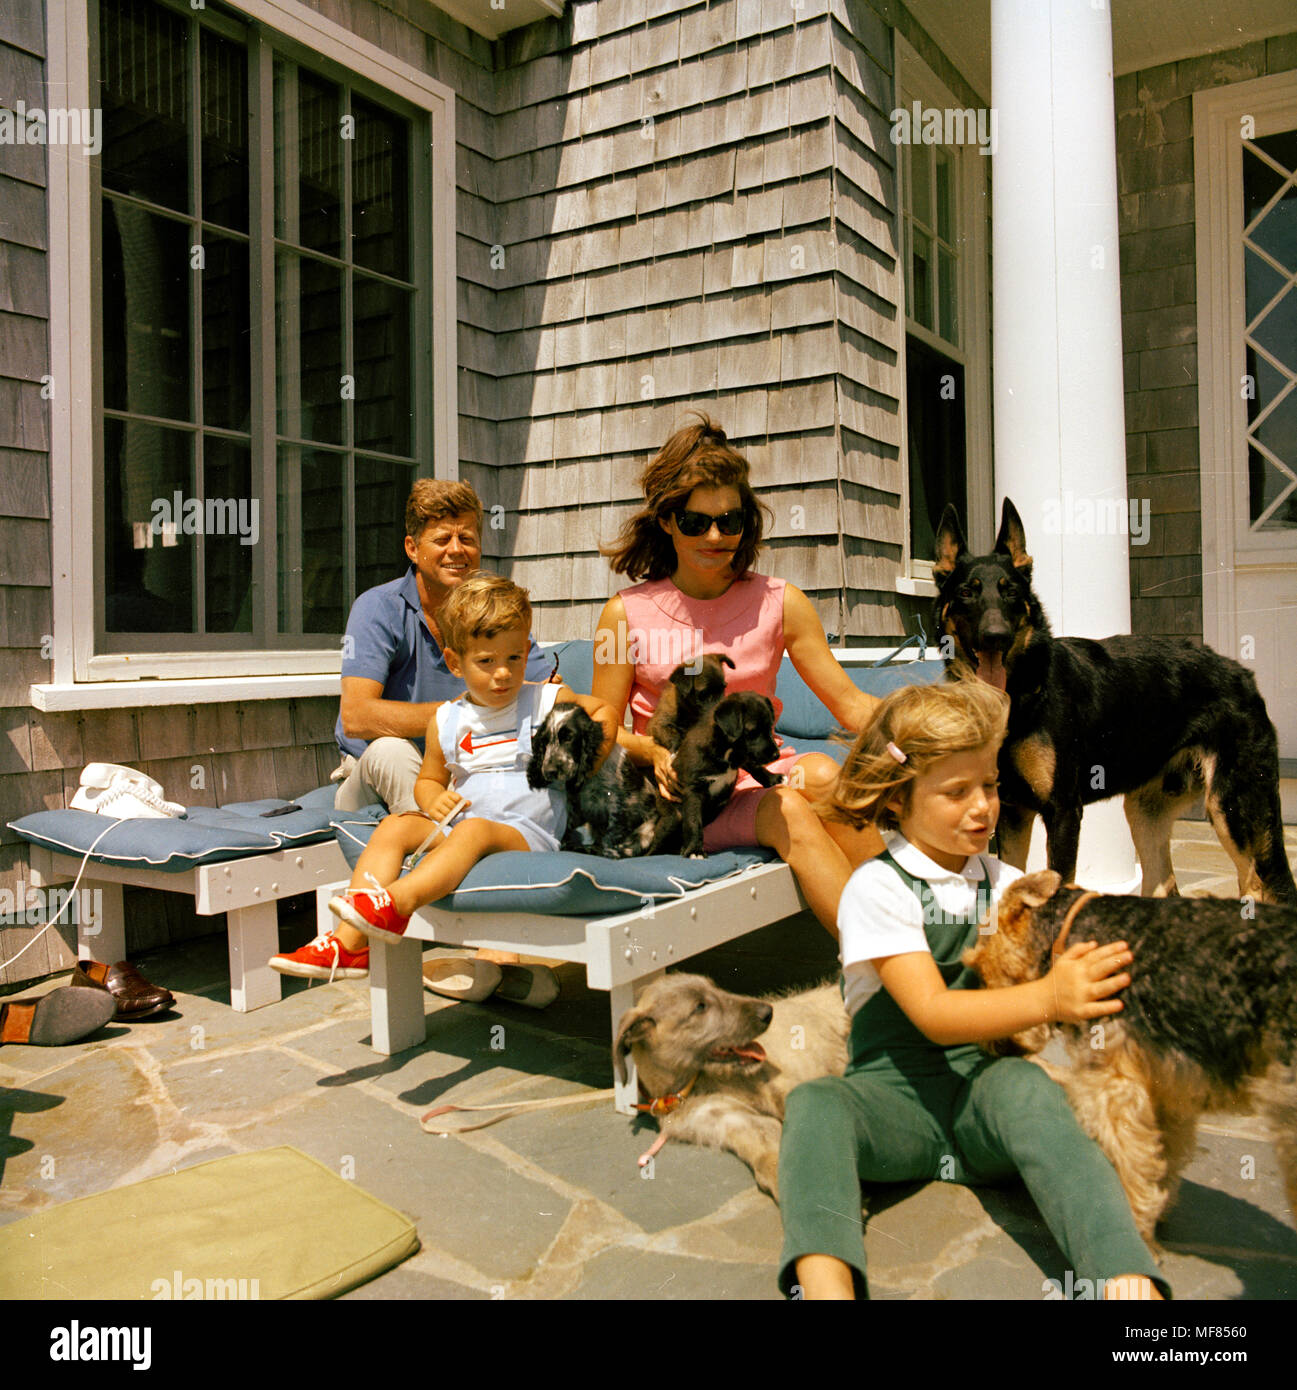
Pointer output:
386, 771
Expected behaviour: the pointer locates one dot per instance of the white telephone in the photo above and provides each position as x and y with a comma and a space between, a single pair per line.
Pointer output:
109, 789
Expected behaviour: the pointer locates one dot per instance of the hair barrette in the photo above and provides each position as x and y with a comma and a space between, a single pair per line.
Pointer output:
896, 752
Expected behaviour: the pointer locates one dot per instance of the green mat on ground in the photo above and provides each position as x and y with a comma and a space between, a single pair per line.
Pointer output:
273, 1224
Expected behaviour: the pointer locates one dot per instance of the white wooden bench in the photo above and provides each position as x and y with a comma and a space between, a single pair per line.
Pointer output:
621, 952
246, 889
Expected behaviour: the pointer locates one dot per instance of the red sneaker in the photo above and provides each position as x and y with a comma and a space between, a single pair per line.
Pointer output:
370, 910
324, 958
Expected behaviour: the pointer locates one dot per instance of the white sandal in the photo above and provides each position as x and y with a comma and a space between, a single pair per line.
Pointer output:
470, 980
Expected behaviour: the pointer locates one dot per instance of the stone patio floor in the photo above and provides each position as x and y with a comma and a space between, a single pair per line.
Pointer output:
552, 1205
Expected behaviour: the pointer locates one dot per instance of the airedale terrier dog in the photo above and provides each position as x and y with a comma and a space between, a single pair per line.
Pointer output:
1209, 1022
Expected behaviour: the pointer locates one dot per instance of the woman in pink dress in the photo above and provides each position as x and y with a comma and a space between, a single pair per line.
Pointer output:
692, 544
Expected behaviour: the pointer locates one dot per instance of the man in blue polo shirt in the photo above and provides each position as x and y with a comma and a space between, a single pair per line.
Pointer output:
393, 669
393, 672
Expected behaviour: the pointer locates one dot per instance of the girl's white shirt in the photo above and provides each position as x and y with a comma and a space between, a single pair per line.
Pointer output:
879, 915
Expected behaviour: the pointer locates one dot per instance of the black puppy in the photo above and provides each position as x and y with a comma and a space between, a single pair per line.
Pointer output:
692, 689
614, 810
737, 734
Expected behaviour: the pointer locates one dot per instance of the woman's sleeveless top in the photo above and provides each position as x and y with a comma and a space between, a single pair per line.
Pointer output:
665, 627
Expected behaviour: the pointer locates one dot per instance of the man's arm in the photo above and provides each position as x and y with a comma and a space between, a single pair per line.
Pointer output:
366, 715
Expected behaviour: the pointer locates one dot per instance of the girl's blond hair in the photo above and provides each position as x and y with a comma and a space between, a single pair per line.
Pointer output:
924, 722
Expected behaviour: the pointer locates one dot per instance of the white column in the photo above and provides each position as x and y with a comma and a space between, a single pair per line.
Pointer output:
1060, 448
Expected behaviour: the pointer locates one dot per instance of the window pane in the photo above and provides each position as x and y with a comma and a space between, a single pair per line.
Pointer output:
382, 354
381, 490
921, 307
1271, 474
146, 278
233, 533
144, 72
148, 559
1260, 180
308, 169
1261, 282
1266, 482
948, 294
224, 95
312, 542
946, 196
921, 183
380, 181
309, 366
935, 424
1281, 147
1277, 332
1276, 233
227, 341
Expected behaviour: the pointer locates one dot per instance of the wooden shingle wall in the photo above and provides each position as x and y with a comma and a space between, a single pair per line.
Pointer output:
1159, 308
29, 775
694, 209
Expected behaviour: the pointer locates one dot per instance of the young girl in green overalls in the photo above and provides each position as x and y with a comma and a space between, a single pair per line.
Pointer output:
920, 1099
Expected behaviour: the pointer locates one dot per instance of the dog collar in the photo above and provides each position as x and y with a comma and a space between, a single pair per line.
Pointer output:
1060, 942
664, 1105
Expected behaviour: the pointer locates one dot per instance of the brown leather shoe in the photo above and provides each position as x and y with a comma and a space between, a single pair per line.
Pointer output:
55, 1019
135, 996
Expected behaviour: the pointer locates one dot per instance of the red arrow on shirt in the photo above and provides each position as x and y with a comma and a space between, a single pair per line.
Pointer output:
466, 743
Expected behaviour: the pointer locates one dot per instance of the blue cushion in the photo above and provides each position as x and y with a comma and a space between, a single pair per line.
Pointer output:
831, 748
575, 663
804, 717
563, 884
206, 835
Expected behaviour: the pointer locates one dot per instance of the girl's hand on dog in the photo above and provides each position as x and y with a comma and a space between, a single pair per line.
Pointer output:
1085, 977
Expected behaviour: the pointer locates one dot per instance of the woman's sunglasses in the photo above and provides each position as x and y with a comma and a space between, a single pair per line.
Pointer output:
693, 524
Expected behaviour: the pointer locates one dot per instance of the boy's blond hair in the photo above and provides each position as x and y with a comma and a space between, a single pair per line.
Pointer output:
926, 723
481, 607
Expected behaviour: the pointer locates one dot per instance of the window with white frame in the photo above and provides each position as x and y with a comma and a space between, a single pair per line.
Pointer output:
944, 203
269, 283
192, 469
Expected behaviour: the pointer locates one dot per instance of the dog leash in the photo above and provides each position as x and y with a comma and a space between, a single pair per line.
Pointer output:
659, 1107
507, 1108
438, 826
1060, 942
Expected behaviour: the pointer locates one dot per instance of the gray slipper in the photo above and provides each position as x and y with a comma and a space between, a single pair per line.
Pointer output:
55, 1019
533, 986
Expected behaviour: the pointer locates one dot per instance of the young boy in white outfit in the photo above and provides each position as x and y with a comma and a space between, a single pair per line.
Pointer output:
474, 767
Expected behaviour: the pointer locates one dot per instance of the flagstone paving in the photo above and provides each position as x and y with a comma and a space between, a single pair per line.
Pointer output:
553, 1204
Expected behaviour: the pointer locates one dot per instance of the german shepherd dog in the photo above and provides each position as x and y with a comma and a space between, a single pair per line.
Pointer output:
1157, 720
